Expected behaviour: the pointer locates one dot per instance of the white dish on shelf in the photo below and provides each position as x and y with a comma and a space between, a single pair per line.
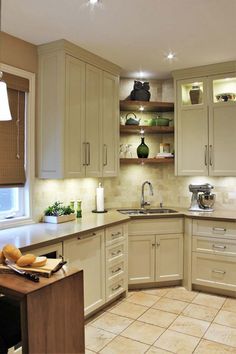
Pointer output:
224, 97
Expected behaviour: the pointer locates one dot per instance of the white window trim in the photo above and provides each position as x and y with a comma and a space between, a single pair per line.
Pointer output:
30, 148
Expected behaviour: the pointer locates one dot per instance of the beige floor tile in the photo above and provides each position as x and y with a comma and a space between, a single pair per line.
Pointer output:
112, 323
158, 292
207, 347
226, 318
209, 300
170, 305
129, 310
141, 298
230, 305
181, 294
200, 312
154, 350
143, 332
96, 339
158, 318
121, 345
221, 334
177, 342
190, 326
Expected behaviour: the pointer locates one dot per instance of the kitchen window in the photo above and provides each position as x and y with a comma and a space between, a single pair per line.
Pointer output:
17, 149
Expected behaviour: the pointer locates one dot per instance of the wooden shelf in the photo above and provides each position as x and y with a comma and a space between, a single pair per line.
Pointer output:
149, 106
146, 161
132, 129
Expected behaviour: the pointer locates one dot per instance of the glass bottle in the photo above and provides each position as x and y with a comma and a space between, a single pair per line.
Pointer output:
142, 149
78, 210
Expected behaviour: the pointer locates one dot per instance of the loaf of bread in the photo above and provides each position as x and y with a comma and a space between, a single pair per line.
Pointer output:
26, 260
39, 262
2, 257
11, 252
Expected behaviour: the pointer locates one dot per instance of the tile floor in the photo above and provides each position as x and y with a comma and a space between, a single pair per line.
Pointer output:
162, 321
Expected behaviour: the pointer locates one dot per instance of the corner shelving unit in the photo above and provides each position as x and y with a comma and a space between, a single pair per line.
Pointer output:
148, 106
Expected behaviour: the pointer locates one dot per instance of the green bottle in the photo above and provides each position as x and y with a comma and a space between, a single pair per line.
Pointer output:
79, 211
142, 149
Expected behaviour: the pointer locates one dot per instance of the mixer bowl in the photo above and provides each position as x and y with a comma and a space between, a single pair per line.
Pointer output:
207, 201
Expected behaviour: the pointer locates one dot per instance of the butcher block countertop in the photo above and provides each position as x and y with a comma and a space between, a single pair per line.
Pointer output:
42, 234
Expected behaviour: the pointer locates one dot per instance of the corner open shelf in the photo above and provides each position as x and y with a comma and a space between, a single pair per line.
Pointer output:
149, 106
146, 161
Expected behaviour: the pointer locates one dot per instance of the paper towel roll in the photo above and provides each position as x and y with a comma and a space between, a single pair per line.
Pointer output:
100, 198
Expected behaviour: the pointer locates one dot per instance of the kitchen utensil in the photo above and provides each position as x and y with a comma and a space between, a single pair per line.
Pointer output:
32, 277
132, 119
202, 199
224, 97
162, 121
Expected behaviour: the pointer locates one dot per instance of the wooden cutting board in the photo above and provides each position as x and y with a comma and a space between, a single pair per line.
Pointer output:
45, 270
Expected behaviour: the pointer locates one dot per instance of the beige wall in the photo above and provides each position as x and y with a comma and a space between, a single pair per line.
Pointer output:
125, 190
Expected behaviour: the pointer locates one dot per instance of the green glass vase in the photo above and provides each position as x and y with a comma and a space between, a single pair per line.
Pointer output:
142, 150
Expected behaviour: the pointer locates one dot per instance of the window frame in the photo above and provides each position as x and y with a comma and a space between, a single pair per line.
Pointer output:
29, 148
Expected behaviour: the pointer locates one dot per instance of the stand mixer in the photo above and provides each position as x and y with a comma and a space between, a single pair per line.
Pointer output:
202, 199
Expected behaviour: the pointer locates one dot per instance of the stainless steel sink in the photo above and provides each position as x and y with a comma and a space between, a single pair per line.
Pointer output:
147, 211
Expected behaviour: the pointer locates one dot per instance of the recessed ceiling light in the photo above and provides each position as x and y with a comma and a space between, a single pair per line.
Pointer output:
170, 56
93, 2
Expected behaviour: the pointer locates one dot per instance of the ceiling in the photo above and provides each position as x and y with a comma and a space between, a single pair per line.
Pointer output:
135, 34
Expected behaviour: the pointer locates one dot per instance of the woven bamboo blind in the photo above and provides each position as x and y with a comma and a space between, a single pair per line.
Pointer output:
12, 134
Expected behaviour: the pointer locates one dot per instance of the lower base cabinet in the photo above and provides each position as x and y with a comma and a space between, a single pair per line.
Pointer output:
155, 257
88, 253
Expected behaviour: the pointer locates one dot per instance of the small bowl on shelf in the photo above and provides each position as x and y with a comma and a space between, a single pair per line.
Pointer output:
224, 97
162, 121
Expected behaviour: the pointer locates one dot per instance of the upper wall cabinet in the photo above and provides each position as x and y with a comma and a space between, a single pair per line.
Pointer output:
78, 120
205, 121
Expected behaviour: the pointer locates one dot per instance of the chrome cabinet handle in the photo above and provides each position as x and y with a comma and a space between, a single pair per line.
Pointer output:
206, 155
88, 152
105, 154
86, 236
116, 235
85, 154
153, 244
116, 253
218, 271
218, 229
210, 153
116, 270
116, 287
221, 247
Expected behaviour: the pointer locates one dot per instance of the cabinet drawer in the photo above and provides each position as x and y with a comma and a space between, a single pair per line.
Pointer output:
114, 234
115, 288
115, 271
213, 228
214, 245
214, 271
156, 226
115, 252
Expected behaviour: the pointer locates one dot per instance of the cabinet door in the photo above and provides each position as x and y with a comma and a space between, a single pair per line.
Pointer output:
169, 257
110, 124
222, 139
141, 259
191, 132
88, 253
75, 118
93, 123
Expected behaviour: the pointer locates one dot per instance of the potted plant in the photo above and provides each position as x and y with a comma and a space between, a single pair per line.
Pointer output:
57, 213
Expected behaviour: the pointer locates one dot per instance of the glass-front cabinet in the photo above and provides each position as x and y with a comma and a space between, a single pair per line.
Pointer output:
205, 120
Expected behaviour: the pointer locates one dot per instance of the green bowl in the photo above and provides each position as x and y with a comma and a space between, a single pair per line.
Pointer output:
162, 121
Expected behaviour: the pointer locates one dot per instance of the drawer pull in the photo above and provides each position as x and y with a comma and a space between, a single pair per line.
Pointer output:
116, 287
86, 236
116, 253
219, 229
221, 247
116, 235
218, 271
116, 270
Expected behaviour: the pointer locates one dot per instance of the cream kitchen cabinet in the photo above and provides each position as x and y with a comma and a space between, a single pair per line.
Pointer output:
158, 243
78, 102
88, 253
214, 254
205, 129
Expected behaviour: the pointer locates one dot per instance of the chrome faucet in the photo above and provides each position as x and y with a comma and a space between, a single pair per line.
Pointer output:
143, 203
